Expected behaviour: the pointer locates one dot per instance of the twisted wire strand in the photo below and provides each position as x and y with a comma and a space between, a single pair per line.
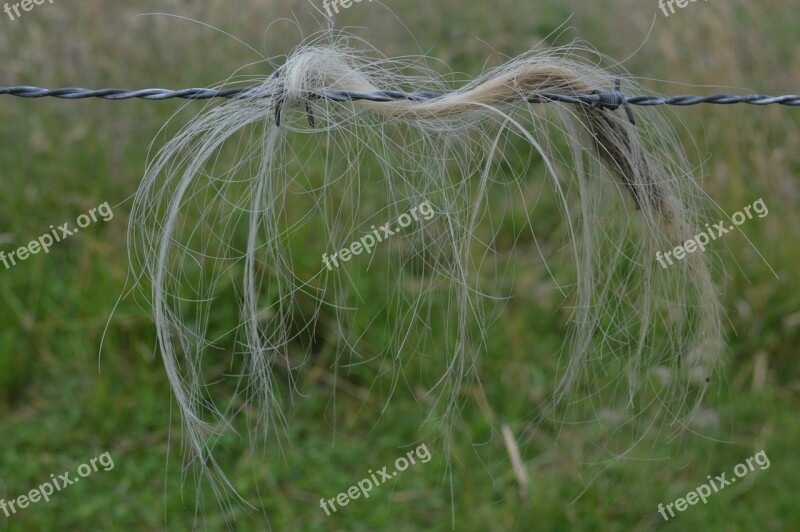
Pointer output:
611, 99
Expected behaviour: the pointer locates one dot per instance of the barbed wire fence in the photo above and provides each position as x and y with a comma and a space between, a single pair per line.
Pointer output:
608, 99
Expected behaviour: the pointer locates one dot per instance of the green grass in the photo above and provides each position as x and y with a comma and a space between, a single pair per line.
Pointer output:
60, 405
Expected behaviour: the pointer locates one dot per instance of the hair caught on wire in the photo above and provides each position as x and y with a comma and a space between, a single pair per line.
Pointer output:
211, 222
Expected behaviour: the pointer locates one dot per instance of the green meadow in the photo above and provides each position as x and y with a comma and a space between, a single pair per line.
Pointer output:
81, 374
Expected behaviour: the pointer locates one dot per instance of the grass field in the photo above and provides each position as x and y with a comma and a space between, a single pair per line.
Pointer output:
65, 400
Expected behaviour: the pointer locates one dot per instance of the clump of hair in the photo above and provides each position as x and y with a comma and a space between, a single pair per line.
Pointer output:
211, 225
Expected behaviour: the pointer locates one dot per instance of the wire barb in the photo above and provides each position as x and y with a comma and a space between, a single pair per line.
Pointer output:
279, 103
612, 100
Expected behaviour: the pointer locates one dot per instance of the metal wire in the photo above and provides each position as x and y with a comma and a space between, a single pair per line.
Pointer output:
609, 99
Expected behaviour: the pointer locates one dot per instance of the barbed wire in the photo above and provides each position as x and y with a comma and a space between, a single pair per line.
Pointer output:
598, 98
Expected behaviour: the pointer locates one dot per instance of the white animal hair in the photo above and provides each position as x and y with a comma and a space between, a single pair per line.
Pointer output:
193, 221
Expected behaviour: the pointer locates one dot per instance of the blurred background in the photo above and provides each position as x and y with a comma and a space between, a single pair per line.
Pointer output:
63, 401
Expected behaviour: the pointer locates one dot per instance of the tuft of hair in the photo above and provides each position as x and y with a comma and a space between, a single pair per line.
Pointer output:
222, 201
